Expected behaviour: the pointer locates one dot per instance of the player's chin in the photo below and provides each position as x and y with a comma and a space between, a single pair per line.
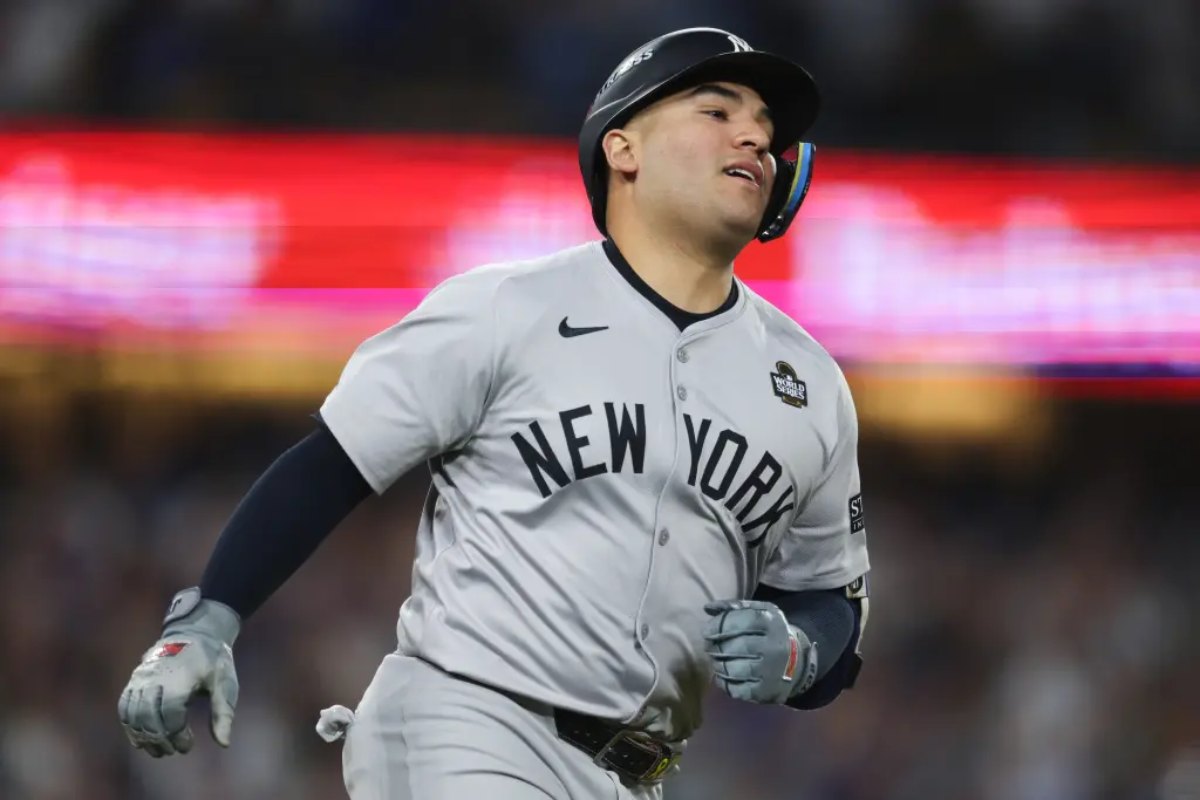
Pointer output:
742, 222
743, 209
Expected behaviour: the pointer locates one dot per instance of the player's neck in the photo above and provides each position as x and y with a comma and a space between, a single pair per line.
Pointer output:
688, 277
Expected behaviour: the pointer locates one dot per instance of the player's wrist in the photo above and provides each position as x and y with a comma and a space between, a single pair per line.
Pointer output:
190, 613
800, 671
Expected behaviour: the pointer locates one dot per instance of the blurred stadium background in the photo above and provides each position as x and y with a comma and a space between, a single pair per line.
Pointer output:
205, 204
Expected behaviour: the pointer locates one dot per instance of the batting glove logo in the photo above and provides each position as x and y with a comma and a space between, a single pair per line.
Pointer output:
168, 650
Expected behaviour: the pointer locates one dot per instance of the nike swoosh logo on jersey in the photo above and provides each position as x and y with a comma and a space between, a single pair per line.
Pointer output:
566, 331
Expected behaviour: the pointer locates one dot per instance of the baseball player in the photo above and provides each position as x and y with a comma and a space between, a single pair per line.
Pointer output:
644, 476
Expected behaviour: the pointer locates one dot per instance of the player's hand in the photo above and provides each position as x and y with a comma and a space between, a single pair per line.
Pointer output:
757, 656
194, 656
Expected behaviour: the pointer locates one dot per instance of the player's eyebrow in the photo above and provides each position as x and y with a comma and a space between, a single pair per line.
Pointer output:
763, 115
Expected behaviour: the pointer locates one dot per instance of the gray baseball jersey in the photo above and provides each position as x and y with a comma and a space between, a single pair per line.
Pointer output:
598, 476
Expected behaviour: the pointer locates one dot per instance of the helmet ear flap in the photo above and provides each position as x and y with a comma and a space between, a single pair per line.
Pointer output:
792, 178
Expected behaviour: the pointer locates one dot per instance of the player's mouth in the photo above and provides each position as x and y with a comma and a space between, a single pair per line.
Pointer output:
746, 170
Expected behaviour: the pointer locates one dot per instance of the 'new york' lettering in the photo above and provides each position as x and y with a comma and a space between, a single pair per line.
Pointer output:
718, 466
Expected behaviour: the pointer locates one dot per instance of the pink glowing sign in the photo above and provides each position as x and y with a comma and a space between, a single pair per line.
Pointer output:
316, 241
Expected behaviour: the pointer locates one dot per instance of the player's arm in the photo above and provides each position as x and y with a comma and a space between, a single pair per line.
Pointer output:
408, 393
280, 522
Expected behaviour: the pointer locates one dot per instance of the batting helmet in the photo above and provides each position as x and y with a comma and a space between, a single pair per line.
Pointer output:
689, 57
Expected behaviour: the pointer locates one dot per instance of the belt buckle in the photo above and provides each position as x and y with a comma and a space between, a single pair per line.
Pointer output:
661, 767
646, 742
598, 759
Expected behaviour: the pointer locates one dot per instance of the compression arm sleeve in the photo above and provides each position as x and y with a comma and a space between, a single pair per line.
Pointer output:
281, 521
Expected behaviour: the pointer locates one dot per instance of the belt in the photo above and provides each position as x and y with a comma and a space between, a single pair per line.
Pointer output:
635, 756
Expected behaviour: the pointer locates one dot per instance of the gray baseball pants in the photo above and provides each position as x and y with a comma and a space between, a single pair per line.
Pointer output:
422, 734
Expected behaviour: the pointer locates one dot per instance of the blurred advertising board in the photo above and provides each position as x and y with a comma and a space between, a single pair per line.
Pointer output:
308, 243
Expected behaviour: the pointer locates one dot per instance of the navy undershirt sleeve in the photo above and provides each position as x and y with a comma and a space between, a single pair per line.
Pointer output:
831, 620
282, 520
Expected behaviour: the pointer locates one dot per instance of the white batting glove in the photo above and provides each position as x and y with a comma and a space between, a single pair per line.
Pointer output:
757, 655
194, 656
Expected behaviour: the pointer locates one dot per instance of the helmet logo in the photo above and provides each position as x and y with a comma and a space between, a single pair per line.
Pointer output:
635, 58
740, 45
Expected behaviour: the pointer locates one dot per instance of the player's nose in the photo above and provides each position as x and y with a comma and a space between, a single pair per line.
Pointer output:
752, 135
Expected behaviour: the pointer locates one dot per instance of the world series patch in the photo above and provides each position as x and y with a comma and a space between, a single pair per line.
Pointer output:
787, 387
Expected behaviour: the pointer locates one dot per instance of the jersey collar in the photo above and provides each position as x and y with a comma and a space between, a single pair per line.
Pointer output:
681, 318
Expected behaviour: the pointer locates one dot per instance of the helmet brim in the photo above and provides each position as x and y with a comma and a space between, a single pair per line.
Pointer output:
789, 92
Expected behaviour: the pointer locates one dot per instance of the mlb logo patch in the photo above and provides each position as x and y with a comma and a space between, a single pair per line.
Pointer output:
787, 387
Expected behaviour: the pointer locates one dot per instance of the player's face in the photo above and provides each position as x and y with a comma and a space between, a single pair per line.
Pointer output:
704, 155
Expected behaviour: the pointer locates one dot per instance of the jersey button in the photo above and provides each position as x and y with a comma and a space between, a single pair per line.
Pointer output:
664, 536
645, 630
681, 393
682, 355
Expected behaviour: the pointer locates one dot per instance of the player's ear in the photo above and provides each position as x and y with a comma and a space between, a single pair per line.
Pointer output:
620, 151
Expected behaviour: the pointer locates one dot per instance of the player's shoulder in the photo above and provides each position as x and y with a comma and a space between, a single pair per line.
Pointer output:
550, 272
786, 333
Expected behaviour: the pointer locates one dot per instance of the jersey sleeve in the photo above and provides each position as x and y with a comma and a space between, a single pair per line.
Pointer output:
418, 388
826, 545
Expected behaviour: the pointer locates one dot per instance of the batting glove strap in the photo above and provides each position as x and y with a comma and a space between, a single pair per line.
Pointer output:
801, 669
190, 614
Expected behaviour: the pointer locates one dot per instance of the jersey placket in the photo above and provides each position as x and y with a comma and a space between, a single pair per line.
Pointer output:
678, 357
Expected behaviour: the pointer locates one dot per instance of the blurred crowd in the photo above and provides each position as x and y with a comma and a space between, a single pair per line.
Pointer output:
1031, 636
1094, 78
